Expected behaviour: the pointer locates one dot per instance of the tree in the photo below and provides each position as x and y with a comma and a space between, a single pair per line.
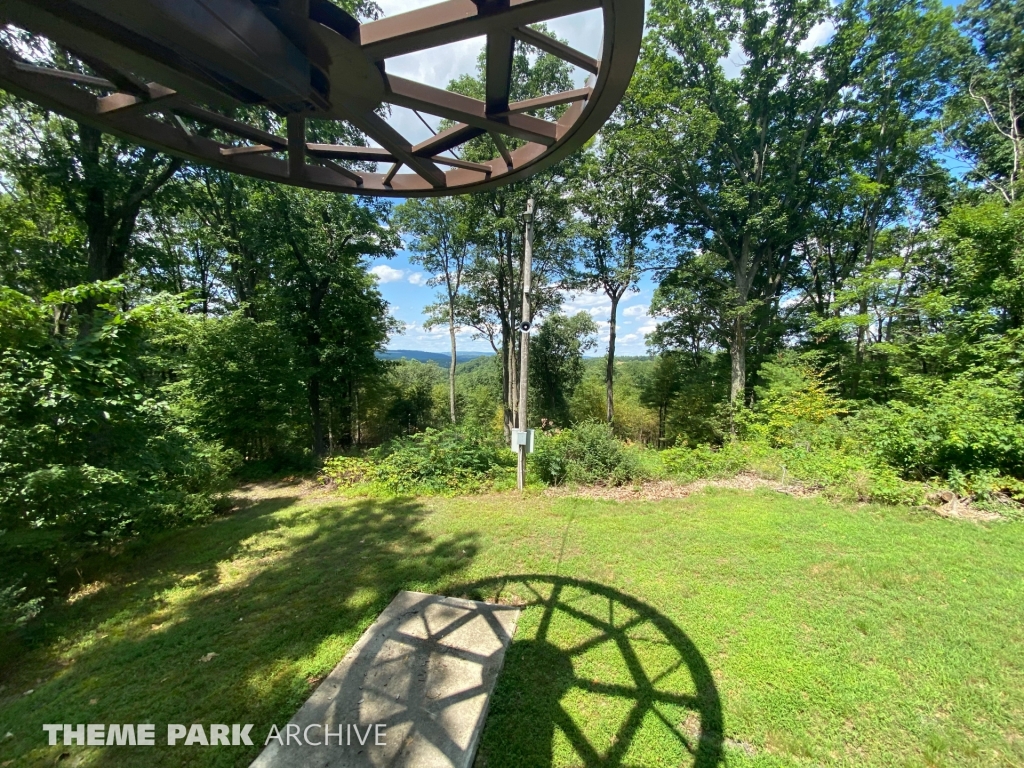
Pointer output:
741, 159
618, 215
321, 292
241, 384
441, 233
661, 387
492, 300
103, 183
556, 362
885, 177
986, 120
40, 243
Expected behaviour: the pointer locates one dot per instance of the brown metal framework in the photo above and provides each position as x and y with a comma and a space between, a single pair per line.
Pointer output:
165, 65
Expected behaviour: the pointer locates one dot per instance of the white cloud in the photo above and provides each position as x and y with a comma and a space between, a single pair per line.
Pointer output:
386, 274
418, 278
442, 64
415, 336
635, 311
820, 34
594, 303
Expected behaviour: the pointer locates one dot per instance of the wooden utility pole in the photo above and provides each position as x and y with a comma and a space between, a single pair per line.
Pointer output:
524, 344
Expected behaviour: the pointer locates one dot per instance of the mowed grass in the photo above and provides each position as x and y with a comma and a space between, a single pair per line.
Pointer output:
729, 627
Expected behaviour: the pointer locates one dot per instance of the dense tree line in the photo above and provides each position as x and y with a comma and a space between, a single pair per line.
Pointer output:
827, 195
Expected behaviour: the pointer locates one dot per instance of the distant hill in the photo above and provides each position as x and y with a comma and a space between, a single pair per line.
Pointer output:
429, 357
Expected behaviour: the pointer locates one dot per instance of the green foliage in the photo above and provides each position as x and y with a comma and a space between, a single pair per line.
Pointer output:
704, 461
437, 462
16, 609
556, 363
986, 252
796, 405
588, 454
969, 424
91, 449
416, 396
841, 473
633, 420
241, 384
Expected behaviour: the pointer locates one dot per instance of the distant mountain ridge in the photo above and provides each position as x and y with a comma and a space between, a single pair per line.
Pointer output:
440, 358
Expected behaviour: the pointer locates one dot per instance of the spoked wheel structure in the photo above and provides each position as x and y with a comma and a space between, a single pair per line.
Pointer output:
592, 675
192, 77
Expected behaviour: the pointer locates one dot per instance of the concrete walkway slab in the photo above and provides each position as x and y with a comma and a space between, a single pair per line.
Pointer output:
425, 670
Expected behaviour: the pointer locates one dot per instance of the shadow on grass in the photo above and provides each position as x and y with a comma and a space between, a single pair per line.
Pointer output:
277, 594
595, 677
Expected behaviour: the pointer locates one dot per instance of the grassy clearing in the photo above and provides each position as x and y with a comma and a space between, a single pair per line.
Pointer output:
748, 628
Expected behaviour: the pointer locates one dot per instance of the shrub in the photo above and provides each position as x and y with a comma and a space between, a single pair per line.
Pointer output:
15, 608
839, 473
689, 464
967, 425
241, 384
90, 448
432, 462
796, 406
589, 454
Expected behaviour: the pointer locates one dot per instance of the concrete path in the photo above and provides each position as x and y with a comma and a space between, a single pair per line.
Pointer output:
424, 671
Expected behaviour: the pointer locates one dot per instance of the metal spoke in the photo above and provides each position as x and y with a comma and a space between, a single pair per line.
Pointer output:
456, 20
498, 79
256, 149
71, 77
502, 149
455, 106
542, 102
455, 162
374, 126
556, 48
341, 152
229, 125
447, 139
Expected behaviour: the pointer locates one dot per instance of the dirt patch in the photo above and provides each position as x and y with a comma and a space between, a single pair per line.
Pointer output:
302, 487
668, 489
963, 509
947, 505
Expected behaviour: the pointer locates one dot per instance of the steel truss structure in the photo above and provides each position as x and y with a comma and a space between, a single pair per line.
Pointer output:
175, 75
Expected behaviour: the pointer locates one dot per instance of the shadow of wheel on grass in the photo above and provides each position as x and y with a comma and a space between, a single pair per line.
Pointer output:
596, 678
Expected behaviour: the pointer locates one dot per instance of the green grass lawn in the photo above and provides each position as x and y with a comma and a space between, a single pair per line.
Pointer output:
741, 628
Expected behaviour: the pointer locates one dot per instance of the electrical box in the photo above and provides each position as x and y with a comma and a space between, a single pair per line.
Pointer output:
522, 437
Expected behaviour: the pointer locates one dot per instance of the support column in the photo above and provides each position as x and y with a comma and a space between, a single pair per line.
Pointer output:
524, 343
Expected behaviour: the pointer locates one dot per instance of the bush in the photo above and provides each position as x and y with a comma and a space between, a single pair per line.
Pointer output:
967, 425
16, 609
796, 406
689, 464
90, 447
845, 473
589, 454
240, 383
431, 462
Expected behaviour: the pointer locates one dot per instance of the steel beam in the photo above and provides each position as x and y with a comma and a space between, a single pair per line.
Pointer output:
455, 20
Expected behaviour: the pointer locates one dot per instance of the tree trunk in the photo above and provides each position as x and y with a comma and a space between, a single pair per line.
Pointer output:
738, 361
858, 353
609, 377
512, 377
451, 368
316, 414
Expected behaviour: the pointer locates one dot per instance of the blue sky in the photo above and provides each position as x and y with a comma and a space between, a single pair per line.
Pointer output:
404, 287
403, 284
